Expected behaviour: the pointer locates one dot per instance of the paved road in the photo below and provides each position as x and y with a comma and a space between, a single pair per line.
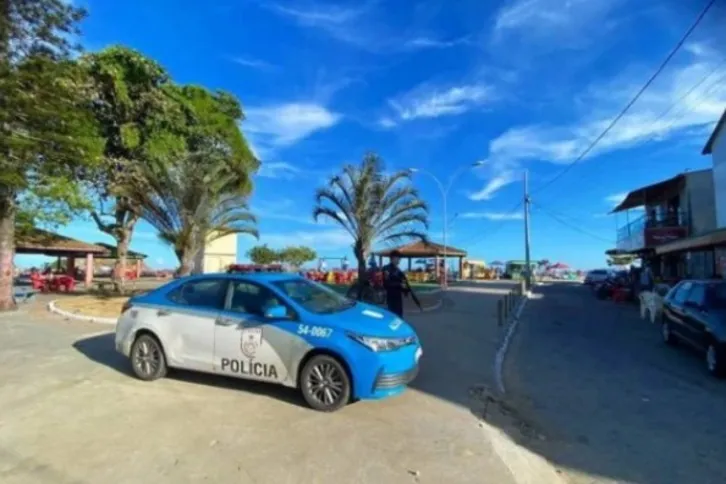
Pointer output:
70, 413
600, 395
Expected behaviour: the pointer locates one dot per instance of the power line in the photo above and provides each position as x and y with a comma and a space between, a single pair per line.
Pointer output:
635, 99
559, 219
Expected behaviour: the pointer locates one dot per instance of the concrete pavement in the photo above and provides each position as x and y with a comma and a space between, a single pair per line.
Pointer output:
598, 393
71, 413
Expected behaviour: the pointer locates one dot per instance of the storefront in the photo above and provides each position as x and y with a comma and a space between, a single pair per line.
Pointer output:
699, 257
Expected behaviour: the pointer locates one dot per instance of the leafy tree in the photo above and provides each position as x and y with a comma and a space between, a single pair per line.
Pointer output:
297, 255
48, 140
372, 206
261, 254
195, 201
143, 121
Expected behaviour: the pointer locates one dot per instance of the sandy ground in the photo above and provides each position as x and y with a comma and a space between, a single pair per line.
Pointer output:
71, 413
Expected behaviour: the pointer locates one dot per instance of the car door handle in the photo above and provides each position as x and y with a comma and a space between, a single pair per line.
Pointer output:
163, 312
225, 322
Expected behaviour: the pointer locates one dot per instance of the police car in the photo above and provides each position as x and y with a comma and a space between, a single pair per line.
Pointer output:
273, 327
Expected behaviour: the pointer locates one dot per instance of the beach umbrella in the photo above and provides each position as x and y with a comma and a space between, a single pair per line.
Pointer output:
497, 263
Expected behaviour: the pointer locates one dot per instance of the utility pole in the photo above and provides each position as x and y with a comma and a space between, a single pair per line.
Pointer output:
527, 260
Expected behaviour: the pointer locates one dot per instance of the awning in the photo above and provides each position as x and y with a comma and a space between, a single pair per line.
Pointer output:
656, 191
699, 242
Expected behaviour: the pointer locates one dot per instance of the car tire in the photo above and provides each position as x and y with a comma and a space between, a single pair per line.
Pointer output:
666, 332
148, 361
325, 384
716, 359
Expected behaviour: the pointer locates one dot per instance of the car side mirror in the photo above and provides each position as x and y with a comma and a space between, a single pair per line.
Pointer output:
276, 312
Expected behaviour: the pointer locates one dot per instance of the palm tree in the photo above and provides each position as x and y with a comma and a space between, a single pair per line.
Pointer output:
372, 206
193, 202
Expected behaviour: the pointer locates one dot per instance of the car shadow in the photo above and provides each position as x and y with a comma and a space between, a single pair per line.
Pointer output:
101, 350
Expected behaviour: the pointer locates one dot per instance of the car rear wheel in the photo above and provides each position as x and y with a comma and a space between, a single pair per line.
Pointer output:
147, 358
667, 333
325, 384
716, 360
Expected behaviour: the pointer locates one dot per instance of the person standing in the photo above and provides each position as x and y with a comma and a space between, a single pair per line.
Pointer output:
394, 283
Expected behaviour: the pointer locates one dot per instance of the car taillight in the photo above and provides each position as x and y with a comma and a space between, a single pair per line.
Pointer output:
126, 307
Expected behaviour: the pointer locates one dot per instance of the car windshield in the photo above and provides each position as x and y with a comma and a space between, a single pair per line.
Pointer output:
314, 297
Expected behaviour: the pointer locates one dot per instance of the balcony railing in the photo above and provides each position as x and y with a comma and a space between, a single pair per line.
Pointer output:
639, 233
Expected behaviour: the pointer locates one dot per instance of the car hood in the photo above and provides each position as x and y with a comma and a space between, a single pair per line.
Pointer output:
367, 320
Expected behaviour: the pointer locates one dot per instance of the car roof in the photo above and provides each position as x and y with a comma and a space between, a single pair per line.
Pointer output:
252, 276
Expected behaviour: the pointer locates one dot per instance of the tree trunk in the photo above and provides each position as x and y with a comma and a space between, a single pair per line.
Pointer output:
7, 249
186, 260
122, 251
361, 255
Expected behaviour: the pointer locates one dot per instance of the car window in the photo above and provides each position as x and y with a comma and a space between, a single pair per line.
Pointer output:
314, 297
716, 295
697, 295
252, 298
203, 293
681, 292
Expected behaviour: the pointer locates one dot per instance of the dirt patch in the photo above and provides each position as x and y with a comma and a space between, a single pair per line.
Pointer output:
93, 305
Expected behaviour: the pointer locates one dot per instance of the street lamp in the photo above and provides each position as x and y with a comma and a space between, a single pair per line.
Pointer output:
444, 195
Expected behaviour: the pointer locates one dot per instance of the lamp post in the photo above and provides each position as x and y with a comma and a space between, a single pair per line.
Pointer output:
444, 195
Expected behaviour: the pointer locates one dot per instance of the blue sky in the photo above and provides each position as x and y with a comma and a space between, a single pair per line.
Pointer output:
436, 85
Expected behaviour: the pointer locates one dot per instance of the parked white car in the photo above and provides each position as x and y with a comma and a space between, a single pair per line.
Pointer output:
596, 276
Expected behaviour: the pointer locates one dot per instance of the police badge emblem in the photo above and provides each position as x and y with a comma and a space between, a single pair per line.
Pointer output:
250, 340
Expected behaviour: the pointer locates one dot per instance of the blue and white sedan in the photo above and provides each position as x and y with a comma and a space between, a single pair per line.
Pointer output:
278, 328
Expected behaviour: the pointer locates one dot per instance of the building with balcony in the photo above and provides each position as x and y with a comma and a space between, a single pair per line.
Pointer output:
666, 211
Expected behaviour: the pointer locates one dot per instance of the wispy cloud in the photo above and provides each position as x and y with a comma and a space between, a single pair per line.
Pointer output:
278, 169
554, 21
493, 215
387, 122
362, 26
667, 109
434, 43
432, 102
253, 63
278, 125
615, 198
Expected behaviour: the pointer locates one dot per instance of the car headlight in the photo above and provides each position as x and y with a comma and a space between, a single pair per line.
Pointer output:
377, 344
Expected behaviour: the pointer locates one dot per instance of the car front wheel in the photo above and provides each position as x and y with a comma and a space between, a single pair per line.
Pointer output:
147, 358
667, 333
325, 384
716, 360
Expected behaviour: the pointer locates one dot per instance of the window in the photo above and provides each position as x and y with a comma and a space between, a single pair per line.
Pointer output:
680, 292
716, 295
252, 298
203, 293
314, 297
697, 296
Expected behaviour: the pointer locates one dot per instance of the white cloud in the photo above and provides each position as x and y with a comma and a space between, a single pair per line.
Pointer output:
387, 122
615, 199
666, 110
278, 169
427, 102
319, 239
551, 20
268, 128
494, 215
364, 26
434, 43
253, 63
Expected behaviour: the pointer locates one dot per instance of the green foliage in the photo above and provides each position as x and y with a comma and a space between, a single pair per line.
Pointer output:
197, 200
297, 255
621, 260
261, 254
373, 206
48, 139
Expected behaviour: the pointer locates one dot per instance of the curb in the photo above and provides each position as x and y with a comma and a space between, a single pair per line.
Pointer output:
80, 317
502, 351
